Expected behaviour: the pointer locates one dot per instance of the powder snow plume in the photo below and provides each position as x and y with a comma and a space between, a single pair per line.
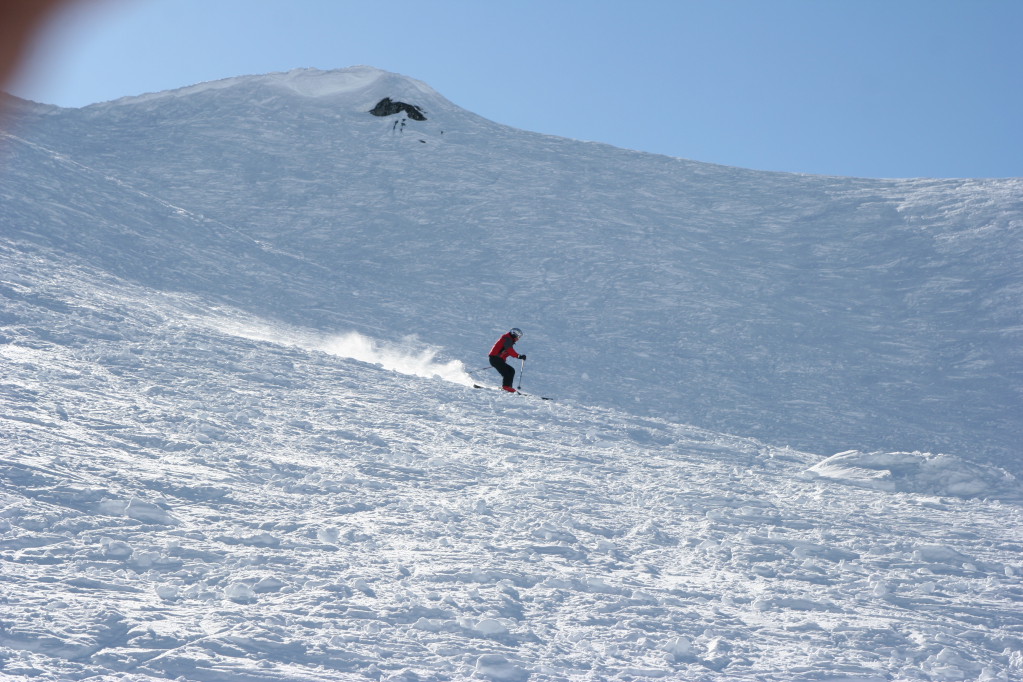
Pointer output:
407, 357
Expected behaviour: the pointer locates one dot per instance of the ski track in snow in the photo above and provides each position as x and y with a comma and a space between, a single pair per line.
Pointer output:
185, 503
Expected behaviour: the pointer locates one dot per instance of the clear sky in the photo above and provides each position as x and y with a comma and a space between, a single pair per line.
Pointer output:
871, 88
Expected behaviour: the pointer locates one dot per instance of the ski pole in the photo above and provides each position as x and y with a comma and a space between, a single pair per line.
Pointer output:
522, 370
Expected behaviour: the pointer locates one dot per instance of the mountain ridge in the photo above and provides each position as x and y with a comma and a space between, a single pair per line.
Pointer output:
306, 82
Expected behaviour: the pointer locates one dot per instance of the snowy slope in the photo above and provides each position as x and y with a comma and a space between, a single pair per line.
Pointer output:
239, 440
189, 493
825, 313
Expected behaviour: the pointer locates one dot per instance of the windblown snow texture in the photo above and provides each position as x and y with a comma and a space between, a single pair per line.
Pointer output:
240, 442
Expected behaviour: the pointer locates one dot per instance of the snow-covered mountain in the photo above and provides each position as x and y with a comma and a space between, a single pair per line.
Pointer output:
825, 313
237, 326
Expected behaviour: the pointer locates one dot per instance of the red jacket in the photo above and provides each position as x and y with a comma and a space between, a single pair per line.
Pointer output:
505, 347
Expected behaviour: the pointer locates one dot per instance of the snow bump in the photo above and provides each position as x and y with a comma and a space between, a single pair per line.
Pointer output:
917, 472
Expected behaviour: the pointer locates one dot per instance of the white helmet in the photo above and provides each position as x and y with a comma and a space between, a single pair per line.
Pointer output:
516, 332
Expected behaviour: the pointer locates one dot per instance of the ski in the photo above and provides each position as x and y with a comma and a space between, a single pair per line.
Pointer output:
528, 395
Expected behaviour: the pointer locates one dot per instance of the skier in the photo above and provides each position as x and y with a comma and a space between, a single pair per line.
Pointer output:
499, 354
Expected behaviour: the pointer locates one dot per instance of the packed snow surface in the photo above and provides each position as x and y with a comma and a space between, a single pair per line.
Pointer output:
239, 441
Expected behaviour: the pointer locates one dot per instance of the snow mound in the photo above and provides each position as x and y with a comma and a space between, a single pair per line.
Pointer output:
497, 667
917, 472
316, 83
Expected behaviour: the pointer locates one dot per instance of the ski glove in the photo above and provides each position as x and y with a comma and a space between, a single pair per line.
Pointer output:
522, 357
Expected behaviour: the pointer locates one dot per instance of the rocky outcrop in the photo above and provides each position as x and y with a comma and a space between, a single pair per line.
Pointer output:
387, 107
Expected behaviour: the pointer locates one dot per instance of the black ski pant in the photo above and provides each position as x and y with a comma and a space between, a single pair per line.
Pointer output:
506, 370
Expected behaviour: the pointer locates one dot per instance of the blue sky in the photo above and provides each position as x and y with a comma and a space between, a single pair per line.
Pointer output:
871, 88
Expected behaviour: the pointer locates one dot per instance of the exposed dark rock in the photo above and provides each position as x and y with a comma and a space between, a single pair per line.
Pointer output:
387, 107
